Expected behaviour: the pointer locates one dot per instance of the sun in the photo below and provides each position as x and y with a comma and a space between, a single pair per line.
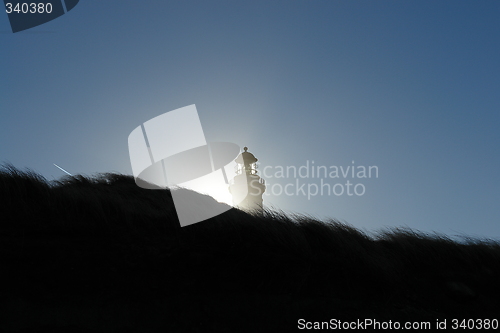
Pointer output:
213, 185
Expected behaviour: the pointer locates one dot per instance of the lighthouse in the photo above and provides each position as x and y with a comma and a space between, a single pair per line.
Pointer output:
247, 187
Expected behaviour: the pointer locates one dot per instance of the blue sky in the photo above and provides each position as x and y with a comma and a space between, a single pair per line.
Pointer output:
411, 87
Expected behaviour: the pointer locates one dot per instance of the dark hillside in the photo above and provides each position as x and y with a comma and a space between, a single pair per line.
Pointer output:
100, 254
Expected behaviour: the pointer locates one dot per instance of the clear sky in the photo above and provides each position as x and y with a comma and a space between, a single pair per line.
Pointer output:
412, 87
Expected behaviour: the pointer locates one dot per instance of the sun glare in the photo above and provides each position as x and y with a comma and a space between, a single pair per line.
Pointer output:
213, 185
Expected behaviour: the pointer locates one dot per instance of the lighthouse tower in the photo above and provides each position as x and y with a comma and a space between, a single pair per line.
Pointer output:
247, 187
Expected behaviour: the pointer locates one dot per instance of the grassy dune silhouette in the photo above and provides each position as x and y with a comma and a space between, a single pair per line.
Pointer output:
100, 254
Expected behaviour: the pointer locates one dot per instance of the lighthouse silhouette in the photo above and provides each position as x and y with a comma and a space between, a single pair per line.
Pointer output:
247, 187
